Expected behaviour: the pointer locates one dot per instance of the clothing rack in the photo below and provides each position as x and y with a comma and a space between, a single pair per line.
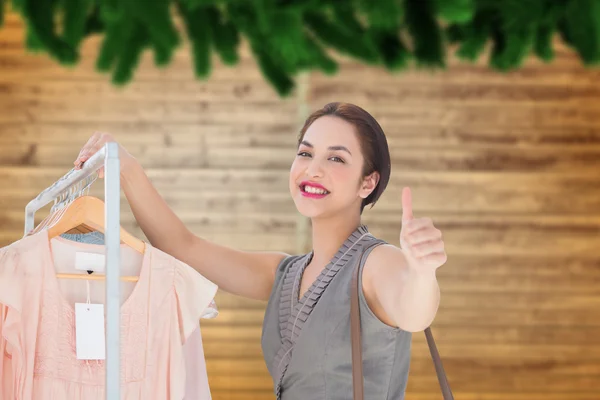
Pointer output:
108, 157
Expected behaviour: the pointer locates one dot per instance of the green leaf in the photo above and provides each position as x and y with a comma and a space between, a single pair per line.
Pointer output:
320, 58
156, 18
225, 35
394, 53
425, 32
116, 30
191, 5
337, 37
198, 30
94, 23
281, 81
475, 36
2, 5
74, 21
455, 11
582, 21
40, 17
543, 42
130, 54
382, 14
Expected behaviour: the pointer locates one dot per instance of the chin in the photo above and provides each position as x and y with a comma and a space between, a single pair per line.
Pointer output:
308, 210
311, 208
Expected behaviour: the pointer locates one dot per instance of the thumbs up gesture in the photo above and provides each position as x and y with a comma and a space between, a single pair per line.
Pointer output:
420, 241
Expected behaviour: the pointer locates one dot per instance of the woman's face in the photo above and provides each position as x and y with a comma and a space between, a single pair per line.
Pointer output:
326, 175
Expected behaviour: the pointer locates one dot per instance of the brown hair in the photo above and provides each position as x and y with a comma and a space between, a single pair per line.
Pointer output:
372, 140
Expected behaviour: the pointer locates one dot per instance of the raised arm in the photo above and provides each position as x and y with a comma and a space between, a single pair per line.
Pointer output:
243, 273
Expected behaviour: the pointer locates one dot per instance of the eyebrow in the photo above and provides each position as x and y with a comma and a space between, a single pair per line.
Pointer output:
344, 148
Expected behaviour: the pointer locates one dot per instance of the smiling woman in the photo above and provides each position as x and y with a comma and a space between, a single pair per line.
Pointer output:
342, 164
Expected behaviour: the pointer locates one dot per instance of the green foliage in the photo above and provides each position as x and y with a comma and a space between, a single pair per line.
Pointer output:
2, 6
289, 36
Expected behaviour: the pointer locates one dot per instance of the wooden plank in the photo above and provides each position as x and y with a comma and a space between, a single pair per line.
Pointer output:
511, 265
562, 236
495, 234
198, 153
211, 112
497, 354
533, 95
506, 382
446, 335
435, 194
425, 134
458, 367
431, 134
198, 156
250, 223
88, 109
447, 315
528, 94
255, 202
566, 70
490, 395
163, 179
242, 241
232, 394
131, 134
487, 301
222, 91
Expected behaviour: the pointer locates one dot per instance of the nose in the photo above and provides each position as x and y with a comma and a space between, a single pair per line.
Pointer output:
314, 169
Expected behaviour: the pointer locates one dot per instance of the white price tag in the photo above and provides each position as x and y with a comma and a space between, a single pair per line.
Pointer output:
89, 261
89, 331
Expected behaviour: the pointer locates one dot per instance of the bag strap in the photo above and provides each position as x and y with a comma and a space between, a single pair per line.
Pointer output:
357, 365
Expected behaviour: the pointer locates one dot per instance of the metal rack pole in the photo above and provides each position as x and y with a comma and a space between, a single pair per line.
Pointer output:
112, 211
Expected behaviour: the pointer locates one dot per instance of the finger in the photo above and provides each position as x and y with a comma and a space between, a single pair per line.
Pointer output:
89, 149
417, 224
407, 213
93, 139
424, 235
424, 249
435, 259
89, 144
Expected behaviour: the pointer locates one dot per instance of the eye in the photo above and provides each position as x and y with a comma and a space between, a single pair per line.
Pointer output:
303, 154
338, 159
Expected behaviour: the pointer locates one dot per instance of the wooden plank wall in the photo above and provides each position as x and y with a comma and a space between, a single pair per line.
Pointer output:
508, 166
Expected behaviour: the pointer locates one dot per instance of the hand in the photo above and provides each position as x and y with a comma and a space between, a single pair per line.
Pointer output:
420, 241
95, 143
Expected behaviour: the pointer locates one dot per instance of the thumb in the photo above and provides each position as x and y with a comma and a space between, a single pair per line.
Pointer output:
407, 213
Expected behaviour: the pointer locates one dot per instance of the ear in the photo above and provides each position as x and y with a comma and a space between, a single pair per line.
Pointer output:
369, 183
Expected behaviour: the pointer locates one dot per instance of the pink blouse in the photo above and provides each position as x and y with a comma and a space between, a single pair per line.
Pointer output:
37, 324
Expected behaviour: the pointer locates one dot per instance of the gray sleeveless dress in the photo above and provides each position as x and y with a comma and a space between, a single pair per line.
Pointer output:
306, 342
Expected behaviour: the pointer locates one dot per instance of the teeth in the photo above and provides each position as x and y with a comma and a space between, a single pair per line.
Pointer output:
310, 189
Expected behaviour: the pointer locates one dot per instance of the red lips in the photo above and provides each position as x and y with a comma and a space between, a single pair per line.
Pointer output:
313, 195
313, 184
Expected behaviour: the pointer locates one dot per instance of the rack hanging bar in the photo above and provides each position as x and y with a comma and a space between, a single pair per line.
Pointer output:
70, 179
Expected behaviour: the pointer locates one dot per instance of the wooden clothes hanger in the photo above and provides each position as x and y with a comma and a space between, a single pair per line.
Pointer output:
87, 213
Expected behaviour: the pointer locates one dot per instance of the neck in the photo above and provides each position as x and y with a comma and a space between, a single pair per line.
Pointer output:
328, 235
